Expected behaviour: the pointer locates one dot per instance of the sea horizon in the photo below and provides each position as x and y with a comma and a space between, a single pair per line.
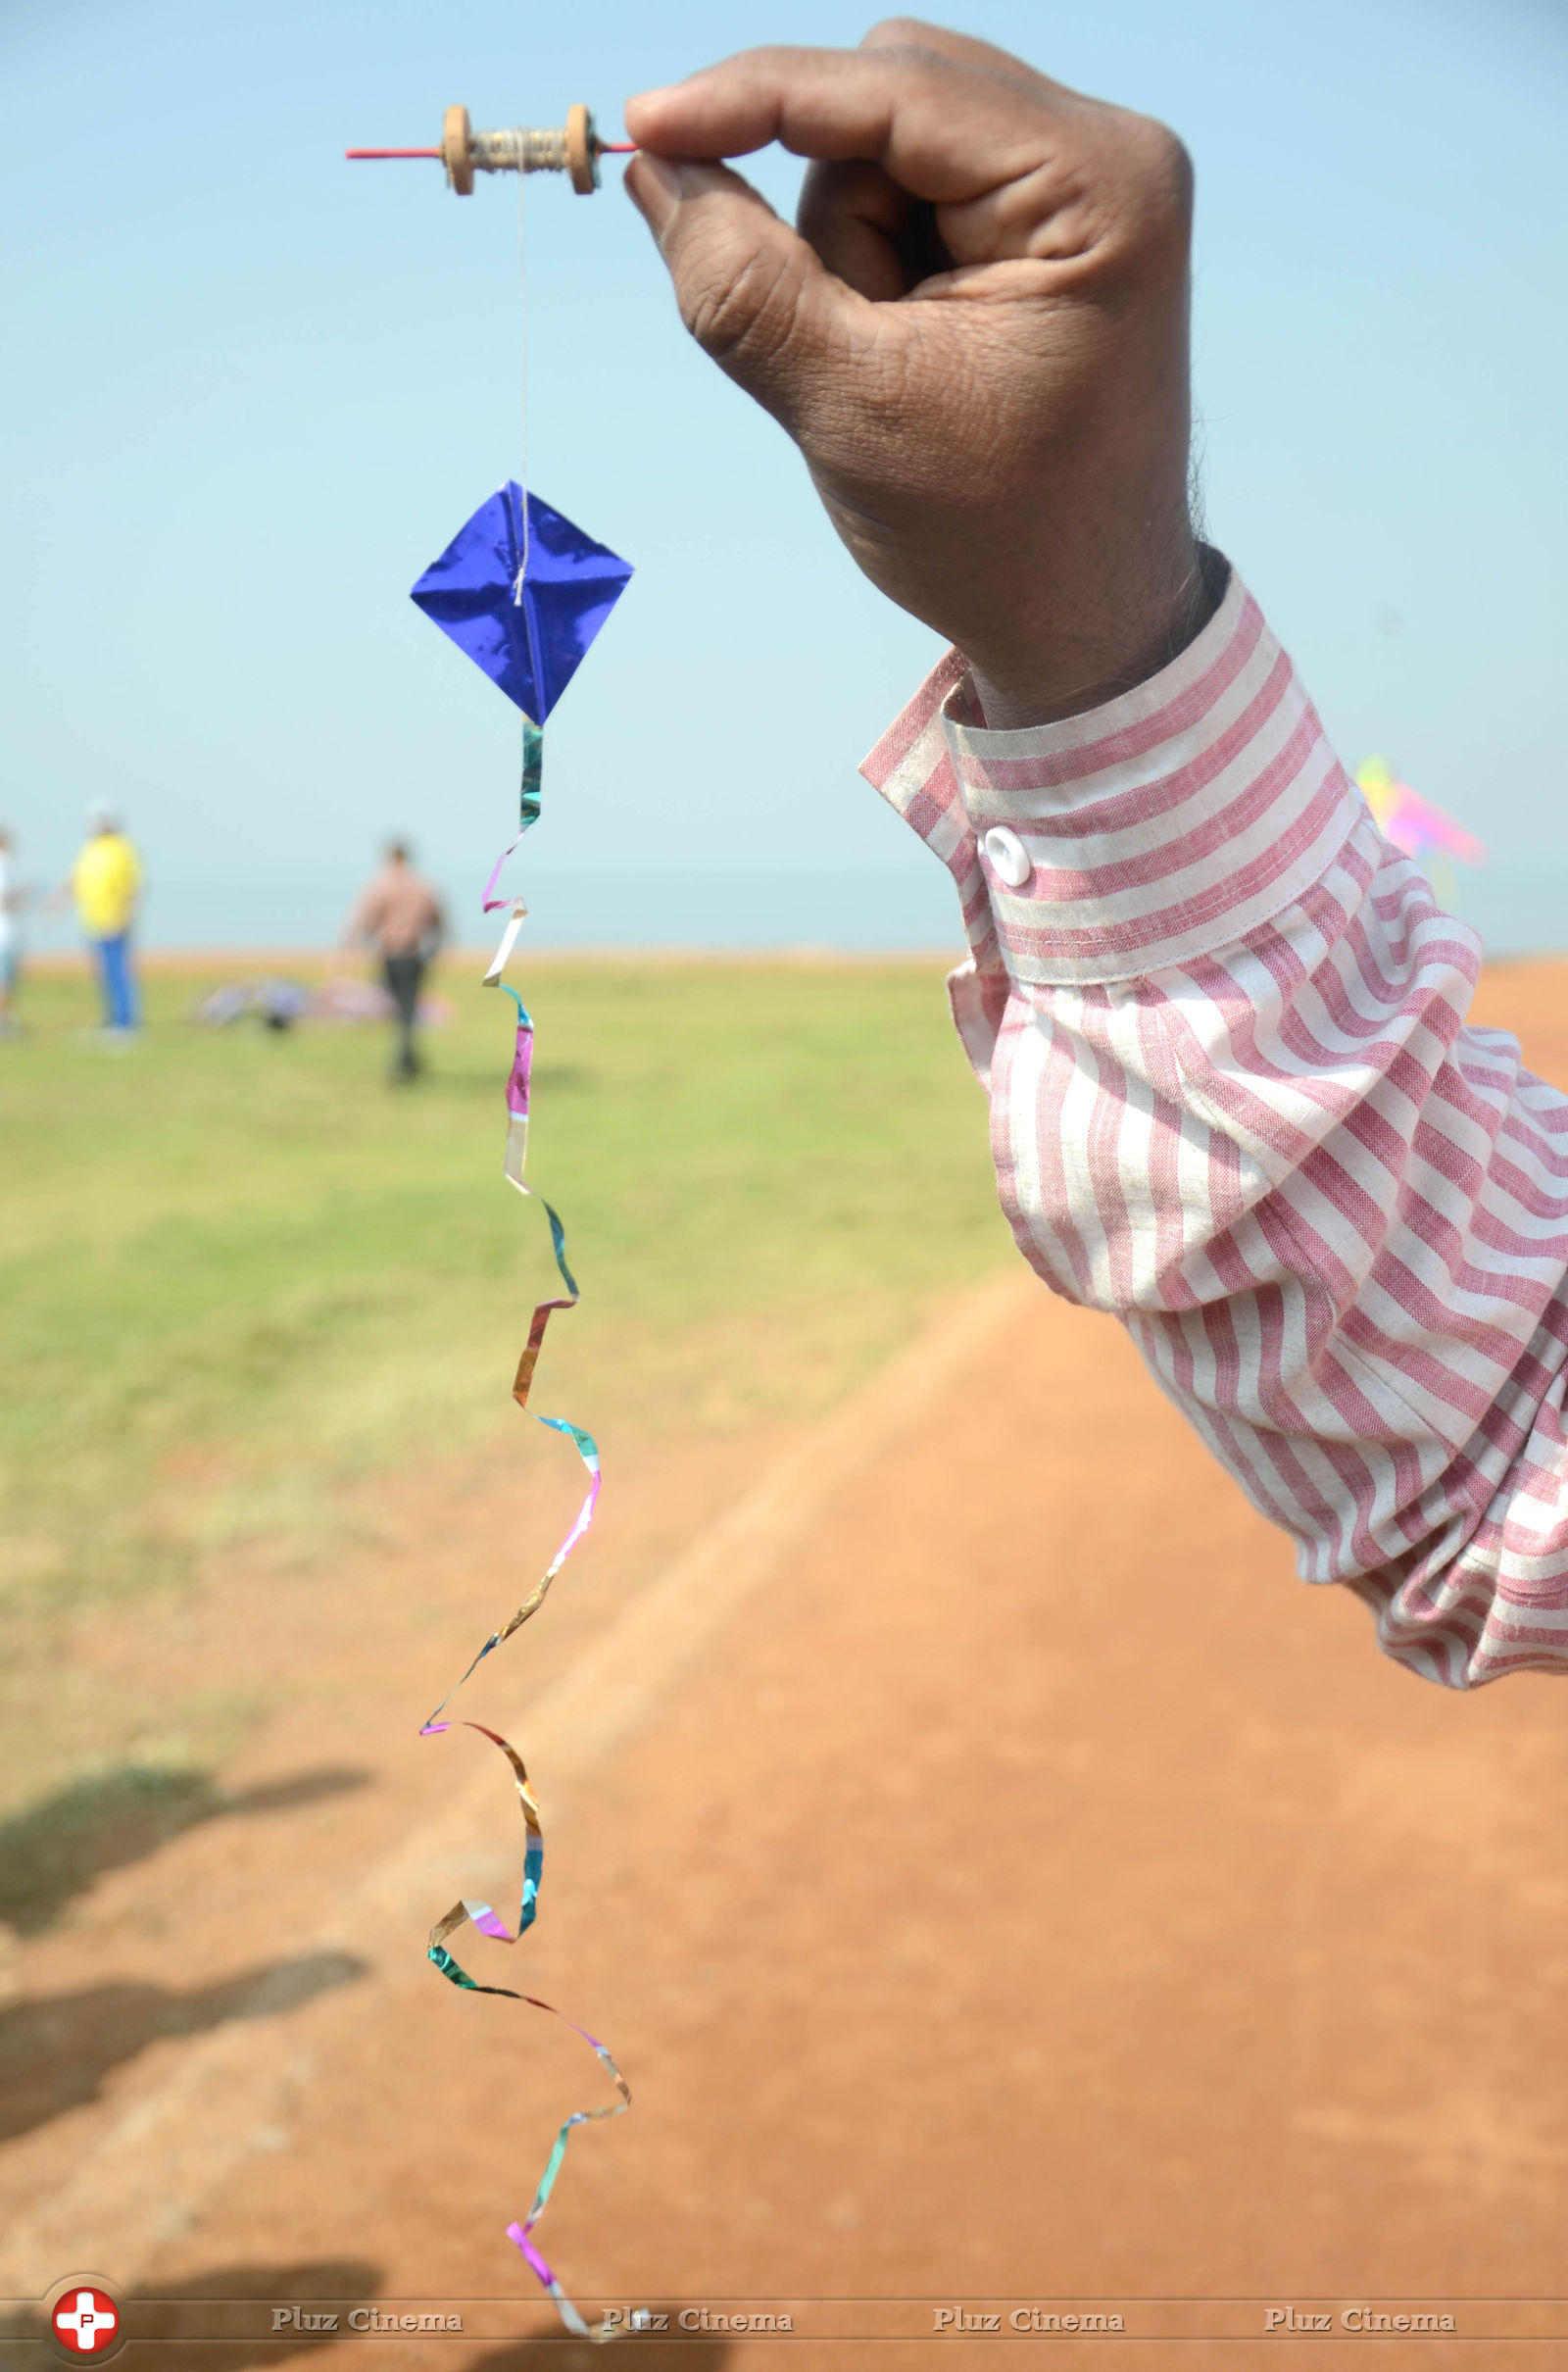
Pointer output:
1517, 910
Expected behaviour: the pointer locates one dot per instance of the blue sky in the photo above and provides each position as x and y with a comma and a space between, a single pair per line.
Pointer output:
254, 390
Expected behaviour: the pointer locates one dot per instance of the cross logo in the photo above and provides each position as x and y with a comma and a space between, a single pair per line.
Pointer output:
85, 2322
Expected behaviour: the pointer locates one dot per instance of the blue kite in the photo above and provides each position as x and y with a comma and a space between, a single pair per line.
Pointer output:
523, 592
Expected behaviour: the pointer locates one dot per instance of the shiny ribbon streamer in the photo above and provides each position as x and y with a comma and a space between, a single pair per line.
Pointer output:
509, 940
484, 1919
534, 766
473, 1913
517, 1091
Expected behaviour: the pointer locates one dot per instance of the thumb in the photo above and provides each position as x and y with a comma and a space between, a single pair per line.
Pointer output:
754, 295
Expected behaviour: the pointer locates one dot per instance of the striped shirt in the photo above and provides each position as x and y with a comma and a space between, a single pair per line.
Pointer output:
1234, 1099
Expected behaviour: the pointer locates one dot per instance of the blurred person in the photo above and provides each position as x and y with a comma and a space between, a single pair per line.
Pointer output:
11, 905
106, 883
1221, 1024
398, 913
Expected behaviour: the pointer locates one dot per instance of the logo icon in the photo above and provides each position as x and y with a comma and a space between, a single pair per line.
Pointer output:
84, 2319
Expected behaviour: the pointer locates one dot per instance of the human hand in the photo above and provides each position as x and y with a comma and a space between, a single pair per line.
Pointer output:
977, 337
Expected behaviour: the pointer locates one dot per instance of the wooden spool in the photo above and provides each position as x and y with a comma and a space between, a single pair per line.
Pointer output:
574, 150
456, 151
582, 151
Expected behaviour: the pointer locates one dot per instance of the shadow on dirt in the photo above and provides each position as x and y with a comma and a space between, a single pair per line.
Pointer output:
56, 2052
676, 2352
260, 2287
53, 1850
330, 2288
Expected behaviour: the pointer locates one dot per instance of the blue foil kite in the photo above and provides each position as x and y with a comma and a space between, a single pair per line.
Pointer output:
523, 592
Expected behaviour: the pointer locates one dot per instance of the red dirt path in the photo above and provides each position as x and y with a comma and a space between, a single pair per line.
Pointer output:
1032, 1893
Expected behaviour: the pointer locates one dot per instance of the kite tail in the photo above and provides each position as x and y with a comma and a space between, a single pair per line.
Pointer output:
466, 1911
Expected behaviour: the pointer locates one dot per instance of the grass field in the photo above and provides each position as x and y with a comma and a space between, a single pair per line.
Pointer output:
241, 1274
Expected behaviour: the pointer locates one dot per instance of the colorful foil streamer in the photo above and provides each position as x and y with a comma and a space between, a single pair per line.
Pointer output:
473, 1913
533, 766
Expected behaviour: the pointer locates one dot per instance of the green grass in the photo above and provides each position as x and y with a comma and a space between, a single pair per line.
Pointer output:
240, 1274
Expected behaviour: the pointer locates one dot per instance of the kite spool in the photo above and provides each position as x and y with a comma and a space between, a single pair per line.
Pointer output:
574, 150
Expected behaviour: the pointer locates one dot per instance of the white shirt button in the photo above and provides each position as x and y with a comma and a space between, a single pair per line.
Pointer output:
1009, 859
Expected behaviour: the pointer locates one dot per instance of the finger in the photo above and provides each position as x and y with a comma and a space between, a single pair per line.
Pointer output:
752, 293
870, 233
1043, 215
960, 49
855, 219
946, 131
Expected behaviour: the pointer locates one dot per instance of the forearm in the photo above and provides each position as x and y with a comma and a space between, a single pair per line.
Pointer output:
1234, 1101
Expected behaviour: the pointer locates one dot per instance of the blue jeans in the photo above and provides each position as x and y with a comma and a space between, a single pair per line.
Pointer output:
118, 981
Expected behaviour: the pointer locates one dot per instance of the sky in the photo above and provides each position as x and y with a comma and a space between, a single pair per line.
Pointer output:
253, 390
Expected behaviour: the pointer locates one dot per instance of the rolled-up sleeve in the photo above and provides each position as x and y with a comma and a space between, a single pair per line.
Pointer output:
1235, 1100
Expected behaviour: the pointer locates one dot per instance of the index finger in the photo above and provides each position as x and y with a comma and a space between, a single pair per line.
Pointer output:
945, 128
913, 32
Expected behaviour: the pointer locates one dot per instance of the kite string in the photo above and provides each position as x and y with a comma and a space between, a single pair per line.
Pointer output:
532, 744
522, 372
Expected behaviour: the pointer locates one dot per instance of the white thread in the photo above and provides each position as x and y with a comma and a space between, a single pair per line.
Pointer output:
522, 380
519, 150
509, 937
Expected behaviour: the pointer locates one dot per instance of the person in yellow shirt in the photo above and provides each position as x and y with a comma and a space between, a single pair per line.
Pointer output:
106, 881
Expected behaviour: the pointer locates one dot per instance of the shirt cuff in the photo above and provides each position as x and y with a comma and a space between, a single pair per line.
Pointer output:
1157, 829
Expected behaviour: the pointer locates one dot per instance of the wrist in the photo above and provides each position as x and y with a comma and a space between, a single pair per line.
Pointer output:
1078, 660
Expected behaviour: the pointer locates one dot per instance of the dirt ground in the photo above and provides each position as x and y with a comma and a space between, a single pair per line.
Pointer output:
976, 1937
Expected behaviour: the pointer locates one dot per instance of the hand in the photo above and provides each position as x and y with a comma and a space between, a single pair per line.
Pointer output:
978, 338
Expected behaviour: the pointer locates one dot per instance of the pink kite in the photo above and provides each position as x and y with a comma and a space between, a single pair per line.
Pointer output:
1412, 822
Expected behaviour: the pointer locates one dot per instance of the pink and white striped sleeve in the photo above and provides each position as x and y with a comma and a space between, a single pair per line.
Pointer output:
1234, 1099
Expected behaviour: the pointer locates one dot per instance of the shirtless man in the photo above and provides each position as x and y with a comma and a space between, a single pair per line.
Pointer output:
398, 913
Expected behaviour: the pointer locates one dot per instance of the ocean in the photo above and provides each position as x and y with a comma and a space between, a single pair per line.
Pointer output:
1517, 910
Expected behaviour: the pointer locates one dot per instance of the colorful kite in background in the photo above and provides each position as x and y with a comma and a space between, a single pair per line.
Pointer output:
1425, 831
1412, 822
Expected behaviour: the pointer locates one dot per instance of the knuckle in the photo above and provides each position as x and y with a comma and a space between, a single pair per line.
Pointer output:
1160, 175
1136, 194
904, 41
899, 31
1168, 166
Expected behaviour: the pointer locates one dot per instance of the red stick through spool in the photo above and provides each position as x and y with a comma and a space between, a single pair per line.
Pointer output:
606, 148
